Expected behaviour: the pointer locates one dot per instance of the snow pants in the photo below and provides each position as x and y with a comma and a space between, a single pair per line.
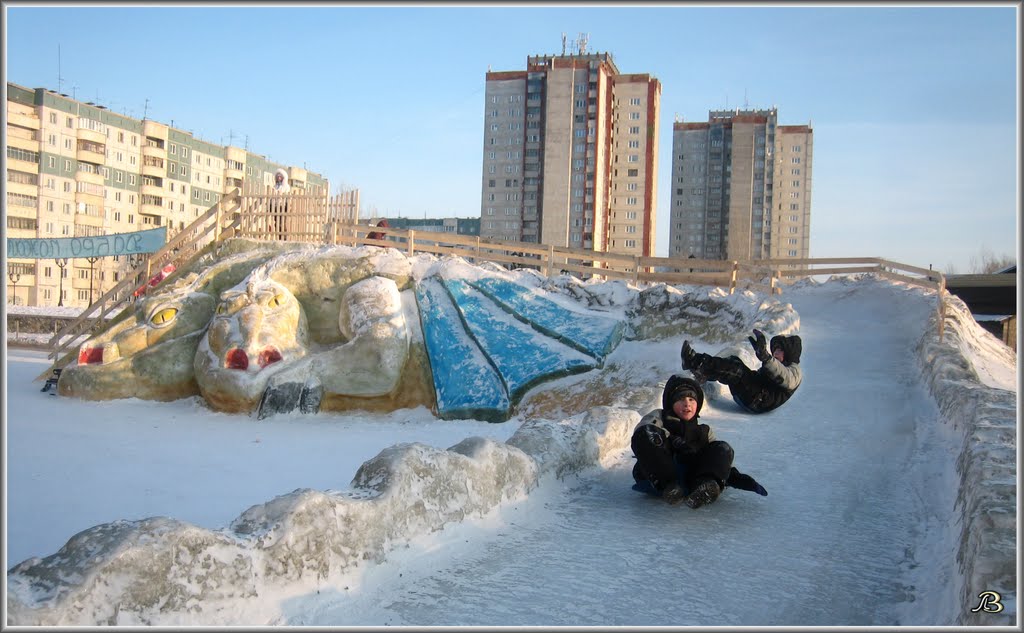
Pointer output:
659, 466
745, 384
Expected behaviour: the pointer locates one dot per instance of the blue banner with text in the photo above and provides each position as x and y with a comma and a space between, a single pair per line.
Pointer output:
148, 241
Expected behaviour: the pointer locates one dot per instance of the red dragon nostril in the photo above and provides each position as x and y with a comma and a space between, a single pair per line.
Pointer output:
236, 359
90, 355
268, 356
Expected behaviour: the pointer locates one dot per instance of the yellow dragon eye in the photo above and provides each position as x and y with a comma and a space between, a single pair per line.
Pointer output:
163, 317
221, 308
277, 300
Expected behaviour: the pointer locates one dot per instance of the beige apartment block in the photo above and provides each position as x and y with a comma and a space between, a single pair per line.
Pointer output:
78, 169
570, 155
741, 187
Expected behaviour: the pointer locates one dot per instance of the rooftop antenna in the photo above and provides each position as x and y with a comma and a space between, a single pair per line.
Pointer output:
563, 44
247, 142
145, 109
582, 41
231, 136
746, 105
60, 79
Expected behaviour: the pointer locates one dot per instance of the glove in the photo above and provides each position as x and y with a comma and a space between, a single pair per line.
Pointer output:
760, 345
682, 448
744, 482
654, 435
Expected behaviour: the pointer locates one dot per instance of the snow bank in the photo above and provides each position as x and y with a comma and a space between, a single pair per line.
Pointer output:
986, 416
131, 572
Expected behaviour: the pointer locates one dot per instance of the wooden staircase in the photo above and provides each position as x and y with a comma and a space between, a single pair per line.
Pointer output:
220, 222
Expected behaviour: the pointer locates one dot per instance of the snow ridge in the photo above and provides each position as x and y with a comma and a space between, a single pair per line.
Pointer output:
986, 417
132, 572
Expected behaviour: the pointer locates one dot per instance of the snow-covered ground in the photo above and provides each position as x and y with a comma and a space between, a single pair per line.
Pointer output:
861, 526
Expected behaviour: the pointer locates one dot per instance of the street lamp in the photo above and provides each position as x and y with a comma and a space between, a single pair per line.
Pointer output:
61, 263
92, 261
14, 277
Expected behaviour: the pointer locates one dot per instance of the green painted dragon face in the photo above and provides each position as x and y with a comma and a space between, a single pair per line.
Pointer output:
148, 355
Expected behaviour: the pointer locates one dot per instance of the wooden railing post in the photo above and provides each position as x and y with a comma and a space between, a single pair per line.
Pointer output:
551, 260
412, 243
942, 305
636, 269
735, 274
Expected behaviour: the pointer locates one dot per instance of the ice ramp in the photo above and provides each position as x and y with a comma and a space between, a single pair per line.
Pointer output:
482, 359
466, 385
591, 334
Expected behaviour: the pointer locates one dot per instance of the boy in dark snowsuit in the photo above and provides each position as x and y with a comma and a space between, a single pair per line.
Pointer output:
756, 391
678, 458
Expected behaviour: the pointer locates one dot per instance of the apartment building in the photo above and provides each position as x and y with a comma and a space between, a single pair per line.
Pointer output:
570, 155
77, 169
459, 226
741, 187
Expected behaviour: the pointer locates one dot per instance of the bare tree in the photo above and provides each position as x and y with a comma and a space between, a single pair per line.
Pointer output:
988, 262
984, 262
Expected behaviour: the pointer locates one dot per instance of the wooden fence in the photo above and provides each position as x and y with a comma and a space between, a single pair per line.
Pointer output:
319, 219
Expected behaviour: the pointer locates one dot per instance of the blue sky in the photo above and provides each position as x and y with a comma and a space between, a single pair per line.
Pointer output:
915, 109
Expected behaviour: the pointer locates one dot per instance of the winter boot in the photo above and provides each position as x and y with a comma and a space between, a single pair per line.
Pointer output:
672, 494
705, 492
691, 359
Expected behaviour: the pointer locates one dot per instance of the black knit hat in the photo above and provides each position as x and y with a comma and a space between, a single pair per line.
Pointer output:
679, 387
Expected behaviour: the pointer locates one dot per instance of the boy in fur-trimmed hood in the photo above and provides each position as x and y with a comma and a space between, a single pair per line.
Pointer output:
759, 391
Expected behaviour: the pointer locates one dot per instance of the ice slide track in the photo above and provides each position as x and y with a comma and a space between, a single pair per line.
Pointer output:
861, 488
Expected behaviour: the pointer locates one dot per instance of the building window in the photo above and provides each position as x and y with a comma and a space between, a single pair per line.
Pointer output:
634, 116
632, 173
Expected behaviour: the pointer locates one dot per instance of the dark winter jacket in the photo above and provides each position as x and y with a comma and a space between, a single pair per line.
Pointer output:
695, 435
689, 453
777, 381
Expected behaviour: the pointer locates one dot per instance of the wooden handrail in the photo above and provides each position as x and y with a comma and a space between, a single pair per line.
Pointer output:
315, 218
178, 248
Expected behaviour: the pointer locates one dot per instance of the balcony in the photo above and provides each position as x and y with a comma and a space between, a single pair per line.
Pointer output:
151, 209
92, 177
155, 130
154, 151
88, 219
92, 136
90, 156
24, 120
152, 190
85, 197
236, 174
154, 168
